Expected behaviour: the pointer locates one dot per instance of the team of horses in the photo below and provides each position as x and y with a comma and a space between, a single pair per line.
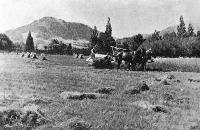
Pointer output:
132, 59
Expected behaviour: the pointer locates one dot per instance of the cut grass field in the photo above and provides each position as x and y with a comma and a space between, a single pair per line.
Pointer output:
24, 78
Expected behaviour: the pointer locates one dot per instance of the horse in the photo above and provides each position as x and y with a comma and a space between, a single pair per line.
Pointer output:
132, 58
148, 58
142, 57
126, 57
137, 58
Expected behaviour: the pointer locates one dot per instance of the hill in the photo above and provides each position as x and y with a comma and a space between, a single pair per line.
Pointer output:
171, 29
125, 39
46, 28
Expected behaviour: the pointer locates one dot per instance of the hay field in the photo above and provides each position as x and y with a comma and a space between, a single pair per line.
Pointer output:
23, 78
176, 64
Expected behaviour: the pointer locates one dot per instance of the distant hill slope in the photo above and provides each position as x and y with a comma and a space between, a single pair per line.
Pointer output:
125, 39
46, 28
169, 29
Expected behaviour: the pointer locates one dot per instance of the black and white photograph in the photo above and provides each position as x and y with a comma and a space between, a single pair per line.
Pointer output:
99, 64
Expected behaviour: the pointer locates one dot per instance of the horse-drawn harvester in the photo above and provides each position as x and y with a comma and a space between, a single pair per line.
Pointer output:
120, 56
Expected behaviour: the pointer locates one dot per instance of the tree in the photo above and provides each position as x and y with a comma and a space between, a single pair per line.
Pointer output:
103, 44
5, 42
29, 43
169, 36
125, 45
108, 28
181, 30
190, 30
136, 42
198, 35
94, 37
105, 40
19, 46
156, 36
56, 47
139, 39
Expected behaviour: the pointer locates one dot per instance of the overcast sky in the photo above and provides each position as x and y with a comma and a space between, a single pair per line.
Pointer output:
128, 17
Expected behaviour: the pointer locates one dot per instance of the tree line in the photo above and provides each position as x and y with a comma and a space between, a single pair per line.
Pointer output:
54, 47
183, 43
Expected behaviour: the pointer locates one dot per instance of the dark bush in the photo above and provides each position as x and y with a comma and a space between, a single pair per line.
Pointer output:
56, 47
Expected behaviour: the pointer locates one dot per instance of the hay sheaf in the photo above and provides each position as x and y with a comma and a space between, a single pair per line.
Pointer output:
80, 56
166, 79
37, 100
148, 106
22, 54
28, 55
132, 91
43, 56
28, 116
194, 80
106, 90
75, 123
79, 95
76, 55
144, 87
33, 55
137, 90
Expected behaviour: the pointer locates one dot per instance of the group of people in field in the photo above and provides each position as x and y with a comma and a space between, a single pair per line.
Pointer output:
131, 59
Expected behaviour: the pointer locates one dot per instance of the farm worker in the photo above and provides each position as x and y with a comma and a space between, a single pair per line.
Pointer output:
92, 53
119, 59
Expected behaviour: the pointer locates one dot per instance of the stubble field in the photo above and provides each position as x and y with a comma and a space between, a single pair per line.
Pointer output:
172, 101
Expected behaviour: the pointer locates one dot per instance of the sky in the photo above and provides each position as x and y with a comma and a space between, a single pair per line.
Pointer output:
128, 17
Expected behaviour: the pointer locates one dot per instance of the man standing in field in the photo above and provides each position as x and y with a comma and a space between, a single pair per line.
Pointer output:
119, 59
92, 53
